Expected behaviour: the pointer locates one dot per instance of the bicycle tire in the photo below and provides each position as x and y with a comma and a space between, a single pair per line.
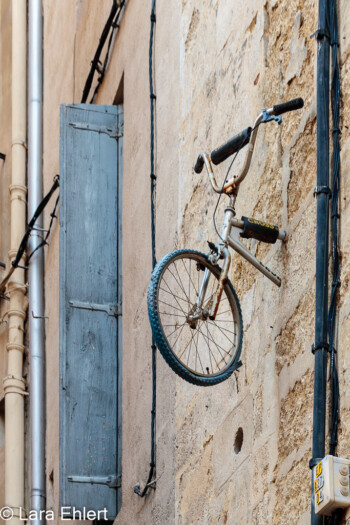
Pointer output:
156, 317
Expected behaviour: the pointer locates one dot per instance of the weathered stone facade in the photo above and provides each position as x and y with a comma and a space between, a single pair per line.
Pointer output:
217, 64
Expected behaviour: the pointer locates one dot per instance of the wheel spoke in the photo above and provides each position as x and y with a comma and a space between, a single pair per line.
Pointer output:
178, 335
217, 344
222, 313
174, 296
210, 351
221, 330
172, 306
176, 315
179, 283
171, 293
177, 328
197, 353
222, 321
189, 276
194, 333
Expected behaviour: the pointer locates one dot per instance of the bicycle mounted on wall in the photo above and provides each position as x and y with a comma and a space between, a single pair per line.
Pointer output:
194, 311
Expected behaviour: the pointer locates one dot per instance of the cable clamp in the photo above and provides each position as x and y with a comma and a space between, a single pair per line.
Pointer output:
321, 346
336, 130
322, 189
153, 176
153, 96
335, 216
153, 17
321, 33
313, 462
336, 284
2, 156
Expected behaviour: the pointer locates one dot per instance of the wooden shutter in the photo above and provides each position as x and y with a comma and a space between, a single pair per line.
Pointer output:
90, 307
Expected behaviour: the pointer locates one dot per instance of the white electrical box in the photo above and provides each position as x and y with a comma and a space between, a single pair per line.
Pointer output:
331, 485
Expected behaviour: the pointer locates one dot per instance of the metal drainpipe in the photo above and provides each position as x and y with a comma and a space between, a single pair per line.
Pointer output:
14, 385
36, 268
322, 234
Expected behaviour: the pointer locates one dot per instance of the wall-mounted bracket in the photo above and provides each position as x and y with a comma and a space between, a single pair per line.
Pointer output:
113, 482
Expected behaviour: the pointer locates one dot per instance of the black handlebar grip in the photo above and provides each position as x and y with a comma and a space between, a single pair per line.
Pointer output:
199, 164
292, 105
223, 152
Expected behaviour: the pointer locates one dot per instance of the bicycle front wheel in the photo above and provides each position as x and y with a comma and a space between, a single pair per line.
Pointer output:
201, 350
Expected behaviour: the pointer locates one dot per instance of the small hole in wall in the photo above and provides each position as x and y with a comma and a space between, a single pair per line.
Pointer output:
238, 440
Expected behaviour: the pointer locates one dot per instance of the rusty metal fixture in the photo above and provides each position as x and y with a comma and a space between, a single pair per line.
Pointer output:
222, 281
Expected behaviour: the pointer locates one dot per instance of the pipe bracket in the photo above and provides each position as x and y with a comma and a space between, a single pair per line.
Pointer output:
15, 346
14, 385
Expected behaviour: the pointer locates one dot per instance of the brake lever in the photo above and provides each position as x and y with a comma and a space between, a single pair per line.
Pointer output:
267, 117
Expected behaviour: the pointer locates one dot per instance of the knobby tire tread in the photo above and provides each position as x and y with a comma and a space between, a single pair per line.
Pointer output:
161, 342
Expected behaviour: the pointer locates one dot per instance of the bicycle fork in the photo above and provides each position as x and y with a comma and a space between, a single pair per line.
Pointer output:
212, 306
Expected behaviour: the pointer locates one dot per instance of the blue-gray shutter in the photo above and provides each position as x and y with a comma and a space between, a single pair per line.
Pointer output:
90, 307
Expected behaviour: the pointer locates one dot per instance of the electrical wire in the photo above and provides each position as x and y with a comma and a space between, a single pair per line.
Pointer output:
335, 104
30, 227
44, 241
95, 64
114, 26
151, 482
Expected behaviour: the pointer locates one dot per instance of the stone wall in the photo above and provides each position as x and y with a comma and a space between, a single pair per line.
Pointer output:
217, 64
236, 59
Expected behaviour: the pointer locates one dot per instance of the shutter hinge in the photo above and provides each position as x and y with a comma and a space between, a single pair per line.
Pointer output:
111, 309
113, 482
112, 131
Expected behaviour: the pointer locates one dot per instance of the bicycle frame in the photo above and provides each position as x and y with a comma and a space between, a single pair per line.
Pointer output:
231, 230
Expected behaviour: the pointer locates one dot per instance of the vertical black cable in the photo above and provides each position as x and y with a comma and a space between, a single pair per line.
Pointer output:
153, 178
322, 239
335, 100
152, 159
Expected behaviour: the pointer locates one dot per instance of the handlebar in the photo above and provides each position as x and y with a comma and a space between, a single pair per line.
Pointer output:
199, 164
292, 105
226, 150
246, 136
